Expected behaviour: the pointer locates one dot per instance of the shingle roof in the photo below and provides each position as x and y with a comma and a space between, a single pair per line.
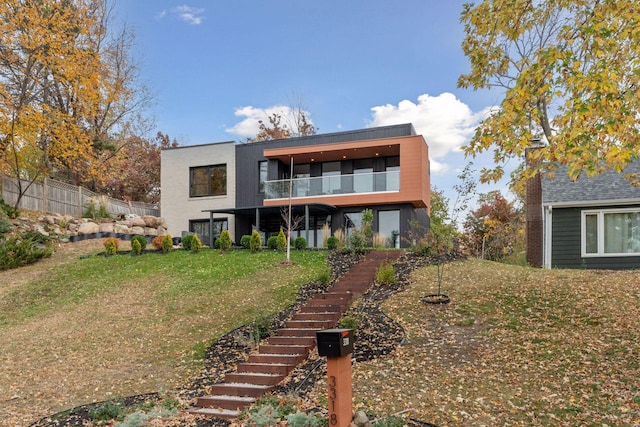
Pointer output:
607, 187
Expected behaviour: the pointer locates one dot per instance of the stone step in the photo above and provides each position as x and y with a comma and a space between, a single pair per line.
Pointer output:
239, 389
323, 302
265, 368
225, 402
285, 359
253, 378
224, 414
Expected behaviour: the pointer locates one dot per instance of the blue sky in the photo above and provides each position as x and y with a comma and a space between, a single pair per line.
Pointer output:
218, 66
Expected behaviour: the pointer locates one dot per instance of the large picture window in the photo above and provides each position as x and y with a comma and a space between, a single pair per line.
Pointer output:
208, 181
614, 232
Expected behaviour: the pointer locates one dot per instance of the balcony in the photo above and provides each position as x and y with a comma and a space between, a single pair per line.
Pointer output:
333, 185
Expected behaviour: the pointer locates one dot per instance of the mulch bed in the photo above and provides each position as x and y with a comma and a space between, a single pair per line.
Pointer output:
377, 335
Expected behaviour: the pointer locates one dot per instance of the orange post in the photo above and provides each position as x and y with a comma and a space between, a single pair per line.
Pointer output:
339, 391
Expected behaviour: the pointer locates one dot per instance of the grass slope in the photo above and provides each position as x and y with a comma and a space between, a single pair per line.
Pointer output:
517, 346
96, 328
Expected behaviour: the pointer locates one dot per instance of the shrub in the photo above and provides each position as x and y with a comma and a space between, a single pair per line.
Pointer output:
333, 242
106, 411
187, 241
300, 419
386, 273
225, 240
390, 421
255, 242
300, 243
19, 251
324, 278
141, 240
157, 242
9, 210
167, 243
4, 224
339, 234
96, 207
136, 247
379, 240
281, 241
358, 241
349, 321
196, 244
245, 241
36, 237
110, 246
272, 242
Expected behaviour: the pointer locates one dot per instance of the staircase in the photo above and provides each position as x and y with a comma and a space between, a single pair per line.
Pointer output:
290, 345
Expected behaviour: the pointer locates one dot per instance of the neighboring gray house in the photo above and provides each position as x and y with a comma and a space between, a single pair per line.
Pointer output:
593, 222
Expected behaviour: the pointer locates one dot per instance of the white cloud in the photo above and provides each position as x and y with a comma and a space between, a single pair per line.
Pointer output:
191, 15
445, 122
161, 15
250, 126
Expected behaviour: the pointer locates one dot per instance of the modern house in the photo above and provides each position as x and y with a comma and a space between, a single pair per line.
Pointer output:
593, 222
328, 179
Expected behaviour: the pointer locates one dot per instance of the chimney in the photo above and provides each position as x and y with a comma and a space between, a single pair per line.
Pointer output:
533, 210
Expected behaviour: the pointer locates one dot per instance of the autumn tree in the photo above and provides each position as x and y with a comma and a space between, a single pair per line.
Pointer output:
293, 122
495, 230
134, 174
65, 87
570, 73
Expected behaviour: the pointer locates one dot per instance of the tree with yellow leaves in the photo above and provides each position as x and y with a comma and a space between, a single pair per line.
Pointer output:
67, 88
570, 71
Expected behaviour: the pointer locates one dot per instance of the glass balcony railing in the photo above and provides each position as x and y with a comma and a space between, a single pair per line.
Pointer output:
333, 185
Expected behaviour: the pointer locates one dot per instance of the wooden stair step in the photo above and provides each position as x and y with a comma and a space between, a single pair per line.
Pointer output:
297, 332
309, 324
239, 389
331, 316
320, 309
283, 349
253, 378
295, 341
286, 359
265, 368
222, 401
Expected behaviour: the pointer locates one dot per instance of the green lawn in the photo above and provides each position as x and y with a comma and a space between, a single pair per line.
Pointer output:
101, 327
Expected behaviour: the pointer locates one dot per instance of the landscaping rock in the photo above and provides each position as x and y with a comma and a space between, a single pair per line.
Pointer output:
88, 228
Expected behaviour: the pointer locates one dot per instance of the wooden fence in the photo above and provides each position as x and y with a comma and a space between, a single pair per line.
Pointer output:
66, 199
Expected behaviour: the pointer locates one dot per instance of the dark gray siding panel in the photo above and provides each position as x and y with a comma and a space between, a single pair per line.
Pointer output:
566, 241
565, 250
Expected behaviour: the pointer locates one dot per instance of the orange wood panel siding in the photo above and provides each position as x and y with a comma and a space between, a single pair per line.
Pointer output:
414, 170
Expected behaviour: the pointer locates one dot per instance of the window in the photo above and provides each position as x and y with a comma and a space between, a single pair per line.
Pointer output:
208, 181
611, 232
364, 182
331, 177
389, 226
262, 175
201, 228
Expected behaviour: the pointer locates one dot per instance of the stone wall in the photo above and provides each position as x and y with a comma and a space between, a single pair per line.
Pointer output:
65, 227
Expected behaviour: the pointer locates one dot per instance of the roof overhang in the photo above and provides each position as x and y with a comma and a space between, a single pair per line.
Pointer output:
297, 209
337, 151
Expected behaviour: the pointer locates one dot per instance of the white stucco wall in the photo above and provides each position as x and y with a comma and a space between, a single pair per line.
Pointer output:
177, 207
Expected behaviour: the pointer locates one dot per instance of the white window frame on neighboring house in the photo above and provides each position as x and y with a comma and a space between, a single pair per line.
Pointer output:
595, 221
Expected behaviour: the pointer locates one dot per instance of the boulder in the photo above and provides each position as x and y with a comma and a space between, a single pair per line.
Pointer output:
106, 228
121, 229
161, 231
137, 230
150, 231
88, 228
135, 222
